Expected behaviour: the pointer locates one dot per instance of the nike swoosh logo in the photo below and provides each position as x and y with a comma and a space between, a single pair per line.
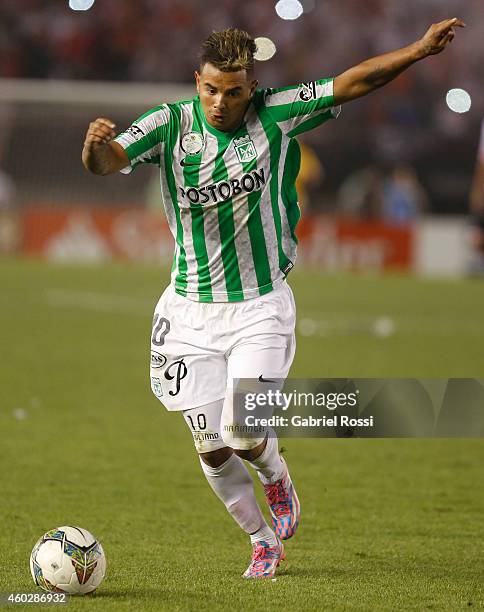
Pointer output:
265, 379
184, 163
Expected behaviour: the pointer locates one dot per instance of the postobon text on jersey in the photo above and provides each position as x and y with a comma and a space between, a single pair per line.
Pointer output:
224, 190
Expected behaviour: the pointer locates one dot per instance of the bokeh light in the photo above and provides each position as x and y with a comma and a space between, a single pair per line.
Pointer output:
265, 48
458, 100
80, 5
289, 9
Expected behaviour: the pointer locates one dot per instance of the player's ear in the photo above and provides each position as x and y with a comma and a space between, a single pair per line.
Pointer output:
197, 80
253, 87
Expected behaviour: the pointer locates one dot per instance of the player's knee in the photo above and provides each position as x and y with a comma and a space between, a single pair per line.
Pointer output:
228, 437
217, 457
239, 441
251, 454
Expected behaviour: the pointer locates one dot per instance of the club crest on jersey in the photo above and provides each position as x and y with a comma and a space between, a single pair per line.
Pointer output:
192, 143
307, 91
245, 149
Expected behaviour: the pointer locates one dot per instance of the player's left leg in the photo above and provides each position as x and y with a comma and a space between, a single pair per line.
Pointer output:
265, 349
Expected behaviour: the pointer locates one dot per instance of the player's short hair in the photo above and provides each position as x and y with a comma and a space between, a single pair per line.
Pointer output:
229, 50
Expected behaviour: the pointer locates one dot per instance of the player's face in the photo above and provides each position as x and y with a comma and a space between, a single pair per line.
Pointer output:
224, 96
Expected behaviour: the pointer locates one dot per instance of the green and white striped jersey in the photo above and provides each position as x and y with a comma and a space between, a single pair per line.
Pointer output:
230, 198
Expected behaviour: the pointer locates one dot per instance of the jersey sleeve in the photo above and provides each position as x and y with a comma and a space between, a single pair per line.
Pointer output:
142, 140
302, 107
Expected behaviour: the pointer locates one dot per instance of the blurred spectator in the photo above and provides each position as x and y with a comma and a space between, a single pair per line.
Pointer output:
360, 194
7, 192
159, 40
9, 223
477, 211
398, 198
311, 175
403, 197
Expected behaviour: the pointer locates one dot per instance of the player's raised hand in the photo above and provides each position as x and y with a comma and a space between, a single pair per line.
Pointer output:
439, 35
100, 131
100, 159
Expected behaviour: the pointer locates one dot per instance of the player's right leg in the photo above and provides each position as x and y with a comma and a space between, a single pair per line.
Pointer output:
230, 480
261, 357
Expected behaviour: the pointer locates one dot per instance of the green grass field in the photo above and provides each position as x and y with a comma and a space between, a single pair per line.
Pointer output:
386, 524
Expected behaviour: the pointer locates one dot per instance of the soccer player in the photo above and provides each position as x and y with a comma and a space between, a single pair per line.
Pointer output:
228, 162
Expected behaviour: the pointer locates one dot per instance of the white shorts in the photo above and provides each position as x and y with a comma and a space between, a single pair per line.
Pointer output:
198, 349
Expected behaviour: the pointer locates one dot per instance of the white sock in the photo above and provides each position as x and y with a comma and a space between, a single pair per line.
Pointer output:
232, 483
266, 534
269, 465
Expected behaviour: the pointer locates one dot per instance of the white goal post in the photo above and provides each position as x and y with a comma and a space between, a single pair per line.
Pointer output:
42, 128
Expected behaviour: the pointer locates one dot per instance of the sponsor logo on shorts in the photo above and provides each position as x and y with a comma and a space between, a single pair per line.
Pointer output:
177, 371
307, 91
202, 436
157, 360
265, 379
224, 190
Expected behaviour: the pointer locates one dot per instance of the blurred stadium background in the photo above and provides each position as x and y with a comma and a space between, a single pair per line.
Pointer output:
386, 186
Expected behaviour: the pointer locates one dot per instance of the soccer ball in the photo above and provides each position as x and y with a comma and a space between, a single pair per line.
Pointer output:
68, 560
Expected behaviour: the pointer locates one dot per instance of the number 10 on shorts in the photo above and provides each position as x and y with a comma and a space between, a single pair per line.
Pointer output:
201, 422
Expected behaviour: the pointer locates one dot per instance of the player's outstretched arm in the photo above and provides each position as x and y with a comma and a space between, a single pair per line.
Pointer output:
100, 155
377, 71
